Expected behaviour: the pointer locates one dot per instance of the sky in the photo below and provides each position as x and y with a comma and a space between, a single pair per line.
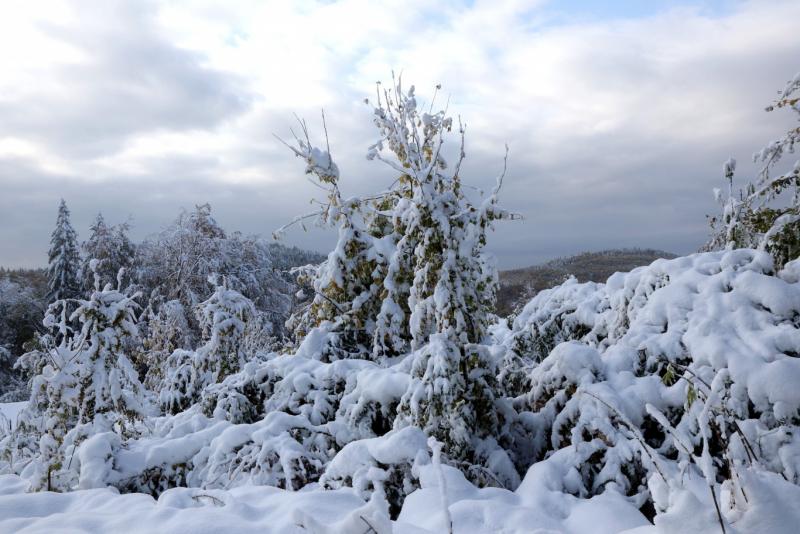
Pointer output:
618, 115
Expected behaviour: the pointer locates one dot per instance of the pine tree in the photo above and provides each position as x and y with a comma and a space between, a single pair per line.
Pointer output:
63, 259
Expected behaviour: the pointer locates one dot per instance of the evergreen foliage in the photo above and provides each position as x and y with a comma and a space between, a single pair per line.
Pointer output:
86, 385
113, 250
63, 259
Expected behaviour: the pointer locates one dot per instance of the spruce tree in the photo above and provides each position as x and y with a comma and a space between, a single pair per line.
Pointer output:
63, 259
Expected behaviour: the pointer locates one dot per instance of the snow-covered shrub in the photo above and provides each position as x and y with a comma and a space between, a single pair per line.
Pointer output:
282, 450
280, 421
380, 469
371, 399
556, 315
259, 339
223, 319
686, 362
287, 425
167, 331
451, 395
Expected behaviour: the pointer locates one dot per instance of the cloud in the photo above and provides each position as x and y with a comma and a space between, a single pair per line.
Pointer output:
125, 79
617, 125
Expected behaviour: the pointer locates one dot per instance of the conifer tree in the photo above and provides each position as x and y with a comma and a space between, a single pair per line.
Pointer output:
86, 384
63, 259
113, 250
97, 247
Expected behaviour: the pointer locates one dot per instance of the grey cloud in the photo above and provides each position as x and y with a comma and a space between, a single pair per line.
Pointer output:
135, 81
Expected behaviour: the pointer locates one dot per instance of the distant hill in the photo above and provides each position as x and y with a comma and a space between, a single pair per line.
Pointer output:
517, 286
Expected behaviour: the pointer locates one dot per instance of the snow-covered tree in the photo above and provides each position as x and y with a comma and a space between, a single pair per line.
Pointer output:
223, 318
112, 248
766, 214
452, 395
176, 264
179, 260
346, 285
87, 384
413, 253
21, 311
167, 330
438, 265
63, 259
409, 274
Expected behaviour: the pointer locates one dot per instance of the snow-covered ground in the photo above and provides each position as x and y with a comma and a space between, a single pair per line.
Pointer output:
532, 509
10, 410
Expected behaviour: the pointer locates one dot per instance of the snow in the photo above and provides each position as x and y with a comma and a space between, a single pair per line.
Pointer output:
735, 319
267, 509
11, 410
533, 508
255, 509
